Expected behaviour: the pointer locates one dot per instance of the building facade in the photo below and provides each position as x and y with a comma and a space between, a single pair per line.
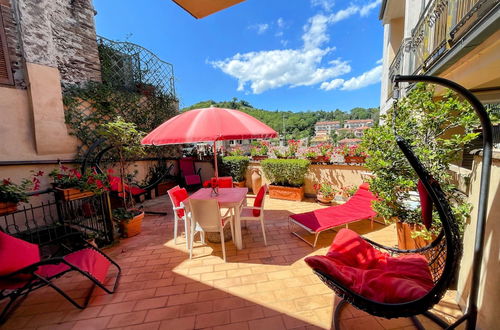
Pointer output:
354, 128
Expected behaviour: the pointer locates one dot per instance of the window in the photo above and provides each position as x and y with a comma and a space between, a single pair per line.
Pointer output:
5, 69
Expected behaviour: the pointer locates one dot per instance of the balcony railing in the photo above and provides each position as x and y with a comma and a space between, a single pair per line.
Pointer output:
443, 24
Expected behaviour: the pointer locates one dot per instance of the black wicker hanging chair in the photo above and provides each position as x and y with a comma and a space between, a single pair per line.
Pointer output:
443, 253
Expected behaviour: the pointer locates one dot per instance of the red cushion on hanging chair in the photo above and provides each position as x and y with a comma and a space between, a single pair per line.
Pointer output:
358, 266
425, 204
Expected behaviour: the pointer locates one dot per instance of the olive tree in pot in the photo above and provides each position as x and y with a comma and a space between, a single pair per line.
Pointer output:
287, 177
125, 138
437, 129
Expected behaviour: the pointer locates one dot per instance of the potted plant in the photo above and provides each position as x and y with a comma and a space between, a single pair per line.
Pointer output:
11, 194
129, 221
126, 139
236, 167
325, 152
353, 154
325, 192
347, 192
424, 121
154, 174
70, 184
287, 177
259, 150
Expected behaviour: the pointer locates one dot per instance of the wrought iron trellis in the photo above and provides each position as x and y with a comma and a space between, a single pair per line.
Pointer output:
132, 67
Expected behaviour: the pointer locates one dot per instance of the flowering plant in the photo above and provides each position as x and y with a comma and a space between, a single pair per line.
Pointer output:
353, 151
65, 177
325, 149
236, 151
293, 147
326, 189
212, 183
311, 153
15, 193
259, 148
348, 191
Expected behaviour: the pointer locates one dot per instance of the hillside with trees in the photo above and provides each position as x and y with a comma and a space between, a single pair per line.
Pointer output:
297, 124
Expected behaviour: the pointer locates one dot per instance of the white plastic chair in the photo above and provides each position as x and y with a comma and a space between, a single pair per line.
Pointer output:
247, 212
206, 214
178, 205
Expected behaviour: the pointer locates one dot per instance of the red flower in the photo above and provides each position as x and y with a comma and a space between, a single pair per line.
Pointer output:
39, 173
206, 184
110, 171
6, 182
64, 168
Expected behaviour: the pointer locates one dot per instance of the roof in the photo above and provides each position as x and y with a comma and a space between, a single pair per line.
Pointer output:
349, 140
359, 121
382, 9
326, 122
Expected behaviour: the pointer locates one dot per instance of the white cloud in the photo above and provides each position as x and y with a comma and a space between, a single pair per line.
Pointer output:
271, 69
327, 5
368, 78
365, 79
334, 84
260, 28
280, 22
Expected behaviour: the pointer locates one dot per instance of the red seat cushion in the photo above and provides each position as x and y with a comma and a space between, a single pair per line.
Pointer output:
375, 275
16, 254
225, 182
192, 179
88, 260
258, 200
179, 196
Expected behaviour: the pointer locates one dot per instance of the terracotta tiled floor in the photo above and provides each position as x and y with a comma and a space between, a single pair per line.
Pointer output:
258, 287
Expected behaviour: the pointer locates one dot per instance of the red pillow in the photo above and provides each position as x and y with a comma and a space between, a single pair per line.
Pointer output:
425, 204
258, 200
355, 264
179, 196
16, 254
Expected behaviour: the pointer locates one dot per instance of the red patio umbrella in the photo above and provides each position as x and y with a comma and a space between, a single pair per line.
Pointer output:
208, 125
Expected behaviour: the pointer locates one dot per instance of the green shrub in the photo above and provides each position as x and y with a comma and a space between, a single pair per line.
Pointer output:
235, 166
285, 172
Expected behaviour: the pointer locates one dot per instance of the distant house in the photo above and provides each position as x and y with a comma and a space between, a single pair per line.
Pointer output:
357, 123
349, 142
326, 127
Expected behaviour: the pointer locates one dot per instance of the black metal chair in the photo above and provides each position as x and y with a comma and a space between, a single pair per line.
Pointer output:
444, 253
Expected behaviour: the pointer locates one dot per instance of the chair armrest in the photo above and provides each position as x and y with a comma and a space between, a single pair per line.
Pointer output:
176, 208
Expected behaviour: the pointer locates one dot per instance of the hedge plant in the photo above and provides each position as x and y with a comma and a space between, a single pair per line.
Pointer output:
437, 129
235, 166
285, 172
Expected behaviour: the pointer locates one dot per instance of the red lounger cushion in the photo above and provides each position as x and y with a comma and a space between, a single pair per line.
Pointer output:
375, 275
192, 179
225, 182
88, 260
115, 184
16, 254
358, 207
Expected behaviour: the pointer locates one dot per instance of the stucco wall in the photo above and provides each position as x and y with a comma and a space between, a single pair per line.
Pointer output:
489, 292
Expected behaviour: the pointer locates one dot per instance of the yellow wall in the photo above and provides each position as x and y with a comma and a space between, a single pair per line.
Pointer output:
489, 293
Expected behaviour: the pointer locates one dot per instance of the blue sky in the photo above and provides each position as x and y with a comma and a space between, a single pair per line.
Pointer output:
293, 55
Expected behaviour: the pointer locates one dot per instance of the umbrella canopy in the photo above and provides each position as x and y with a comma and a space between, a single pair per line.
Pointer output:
202, 8
208, 125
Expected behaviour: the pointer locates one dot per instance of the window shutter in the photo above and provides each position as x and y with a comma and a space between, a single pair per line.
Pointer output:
5, 69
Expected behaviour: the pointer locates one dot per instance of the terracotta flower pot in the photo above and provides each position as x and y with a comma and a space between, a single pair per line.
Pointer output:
286, 193
240, 184
256, 180
354, 159
324, 199
405, 241
7, 207
132, 227
259, 157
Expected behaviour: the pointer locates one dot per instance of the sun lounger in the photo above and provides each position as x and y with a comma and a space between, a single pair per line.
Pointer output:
358, 207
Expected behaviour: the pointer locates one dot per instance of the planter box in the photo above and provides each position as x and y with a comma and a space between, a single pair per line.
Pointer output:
7, 207
133, 227
286, 193
163, 187
353, 159
320, 159
240, 184
259, 157
69, 194
405, 241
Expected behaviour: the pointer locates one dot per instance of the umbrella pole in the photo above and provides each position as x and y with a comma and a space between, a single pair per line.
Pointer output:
215, 159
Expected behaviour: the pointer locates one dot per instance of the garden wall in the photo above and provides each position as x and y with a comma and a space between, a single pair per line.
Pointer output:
489, 292
341, 175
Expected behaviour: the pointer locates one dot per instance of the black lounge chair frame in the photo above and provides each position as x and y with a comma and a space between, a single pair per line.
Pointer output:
39, 281
445, 251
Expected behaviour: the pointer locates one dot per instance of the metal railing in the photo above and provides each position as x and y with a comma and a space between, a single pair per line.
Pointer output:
442, 24
52, 218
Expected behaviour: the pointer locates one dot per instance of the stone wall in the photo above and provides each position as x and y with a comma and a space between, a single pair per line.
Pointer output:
55, 33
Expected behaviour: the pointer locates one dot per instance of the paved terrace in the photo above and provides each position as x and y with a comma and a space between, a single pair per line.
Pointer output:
258, 287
